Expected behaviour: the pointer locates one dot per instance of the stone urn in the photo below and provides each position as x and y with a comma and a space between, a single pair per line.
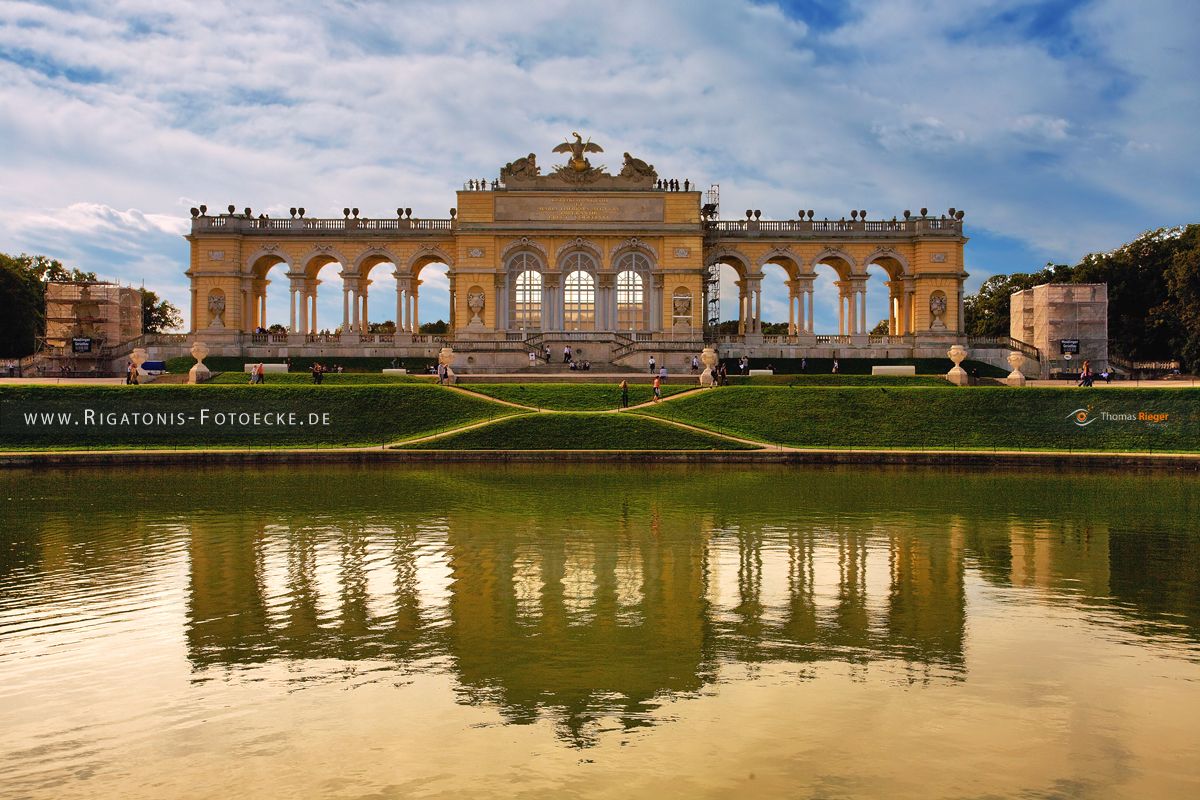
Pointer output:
708, 357
957, 375
199, 373
1016, 360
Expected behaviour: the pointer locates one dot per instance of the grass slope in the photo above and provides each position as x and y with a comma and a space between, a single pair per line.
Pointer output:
579, 432
572, 396
951, 417
357, 415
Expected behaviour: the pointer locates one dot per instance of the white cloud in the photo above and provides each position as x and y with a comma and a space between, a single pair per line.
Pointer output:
153, 107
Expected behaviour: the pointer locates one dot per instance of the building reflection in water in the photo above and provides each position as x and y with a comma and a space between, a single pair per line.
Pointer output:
593, 614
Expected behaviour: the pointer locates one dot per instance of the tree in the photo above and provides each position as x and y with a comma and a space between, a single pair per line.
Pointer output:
435, 327
23, 282
881, 328
1183, 281
159, 316
22, 310
987, 311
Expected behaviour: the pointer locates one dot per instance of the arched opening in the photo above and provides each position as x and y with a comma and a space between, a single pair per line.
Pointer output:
778, 308
527, 300
265, 309
631, 301
328, 289
318, 270
523, 305
835, 303
378, 284
887, 300
634, 306
579, 301
731, 312
431, 300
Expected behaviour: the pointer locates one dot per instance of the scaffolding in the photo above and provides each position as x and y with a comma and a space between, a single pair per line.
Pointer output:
712, 274
104, 313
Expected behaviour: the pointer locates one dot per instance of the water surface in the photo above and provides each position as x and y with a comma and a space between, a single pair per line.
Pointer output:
585, 631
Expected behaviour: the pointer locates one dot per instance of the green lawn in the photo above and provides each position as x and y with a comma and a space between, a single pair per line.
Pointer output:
331, 379
187, 416
573, 396
950, 417
579, 431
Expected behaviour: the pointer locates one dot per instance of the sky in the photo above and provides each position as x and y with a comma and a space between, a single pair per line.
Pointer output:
1061, 128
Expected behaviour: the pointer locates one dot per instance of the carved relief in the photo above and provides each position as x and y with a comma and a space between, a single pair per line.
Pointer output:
216, 309
524, 243
475, 252
937, 309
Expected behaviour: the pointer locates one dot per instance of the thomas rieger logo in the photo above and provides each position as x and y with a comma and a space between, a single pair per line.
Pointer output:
1084, 416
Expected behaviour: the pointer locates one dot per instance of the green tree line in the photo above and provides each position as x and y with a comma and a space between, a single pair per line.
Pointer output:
23, 280
1153, 295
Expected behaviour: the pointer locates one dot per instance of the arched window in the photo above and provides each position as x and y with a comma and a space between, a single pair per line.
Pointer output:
579, 301
633, 270
631, 301
527, 300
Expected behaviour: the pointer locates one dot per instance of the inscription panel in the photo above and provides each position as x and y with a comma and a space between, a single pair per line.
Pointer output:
582, 208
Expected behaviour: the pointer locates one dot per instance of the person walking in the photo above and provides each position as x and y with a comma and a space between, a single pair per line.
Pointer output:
546, 352
803, 364
652, 365
262, 373
657, 389
695, 364
662, 373
624, 393
835, 366
567, 354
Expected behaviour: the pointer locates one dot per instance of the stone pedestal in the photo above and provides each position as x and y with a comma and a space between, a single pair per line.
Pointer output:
709, 359
199, 373
1016, 377
957, 375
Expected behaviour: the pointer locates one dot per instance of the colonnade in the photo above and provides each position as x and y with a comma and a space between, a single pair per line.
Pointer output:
302, 315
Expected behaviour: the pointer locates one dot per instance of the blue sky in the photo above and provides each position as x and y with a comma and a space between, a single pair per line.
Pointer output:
1060, 127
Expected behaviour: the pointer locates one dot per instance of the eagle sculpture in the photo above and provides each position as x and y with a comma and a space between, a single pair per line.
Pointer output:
577, 148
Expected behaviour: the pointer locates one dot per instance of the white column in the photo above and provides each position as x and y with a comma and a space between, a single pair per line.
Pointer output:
345, 308
302, 297
292, 299
809, 317
758, 309
354, 319
416, 319
399, 308
262, 310
366, 319
862, 312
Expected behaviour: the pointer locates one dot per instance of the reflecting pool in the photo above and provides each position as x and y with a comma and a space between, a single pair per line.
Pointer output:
590, 631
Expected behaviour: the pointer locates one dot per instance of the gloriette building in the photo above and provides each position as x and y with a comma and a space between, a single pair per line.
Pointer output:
617, 264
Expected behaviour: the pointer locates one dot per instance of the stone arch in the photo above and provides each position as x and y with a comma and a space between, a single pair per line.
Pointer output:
784, 258
732, 257
428, 255
893, 262
524, 244
632, 243
319, 256
579, 245
831, 256
264, 258
372, 257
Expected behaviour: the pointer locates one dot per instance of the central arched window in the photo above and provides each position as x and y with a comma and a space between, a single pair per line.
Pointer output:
633, 270
527, 300
579, 301
630, 301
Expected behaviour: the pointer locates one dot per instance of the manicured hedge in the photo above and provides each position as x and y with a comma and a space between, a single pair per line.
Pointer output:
330, 379
302, 364
579, 432
187, 416
862, 366
952, 417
